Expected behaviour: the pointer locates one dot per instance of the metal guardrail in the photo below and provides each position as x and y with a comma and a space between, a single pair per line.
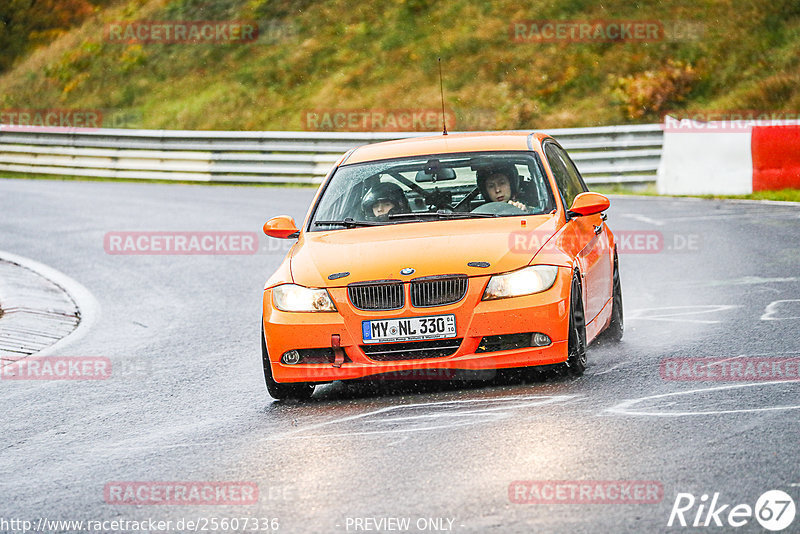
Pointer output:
604, 155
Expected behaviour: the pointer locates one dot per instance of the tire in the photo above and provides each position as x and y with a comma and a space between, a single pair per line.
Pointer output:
576, 346
616, 328
296, 390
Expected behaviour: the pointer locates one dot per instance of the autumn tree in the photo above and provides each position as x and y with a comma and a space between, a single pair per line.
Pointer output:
25, 24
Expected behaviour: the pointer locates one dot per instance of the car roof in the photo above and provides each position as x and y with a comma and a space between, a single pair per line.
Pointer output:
446, 144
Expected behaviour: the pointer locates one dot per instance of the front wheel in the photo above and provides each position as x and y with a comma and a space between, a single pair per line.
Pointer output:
297, 390
576, 346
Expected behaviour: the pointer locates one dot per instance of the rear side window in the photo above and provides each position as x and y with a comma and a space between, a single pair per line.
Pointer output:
567, 178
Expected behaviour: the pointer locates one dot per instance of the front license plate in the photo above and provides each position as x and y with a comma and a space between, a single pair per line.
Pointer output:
409, 328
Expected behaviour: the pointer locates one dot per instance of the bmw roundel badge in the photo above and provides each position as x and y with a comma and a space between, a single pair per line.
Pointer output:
406, 271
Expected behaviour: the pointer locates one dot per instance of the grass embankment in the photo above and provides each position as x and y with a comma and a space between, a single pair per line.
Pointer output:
786, 195
349, 54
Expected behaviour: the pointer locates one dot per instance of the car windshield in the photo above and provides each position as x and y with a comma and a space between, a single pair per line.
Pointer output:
434, 187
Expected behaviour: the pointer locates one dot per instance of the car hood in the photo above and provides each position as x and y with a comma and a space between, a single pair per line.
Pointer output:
430, 248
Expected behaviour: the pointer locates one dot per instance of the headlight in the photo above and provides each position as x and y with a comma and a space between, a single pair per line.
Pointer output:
527, 281
294, 298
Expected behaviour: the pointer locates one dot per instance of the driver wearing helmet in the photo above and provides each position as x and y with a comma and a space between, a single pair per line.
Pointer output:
384, 199
500, 183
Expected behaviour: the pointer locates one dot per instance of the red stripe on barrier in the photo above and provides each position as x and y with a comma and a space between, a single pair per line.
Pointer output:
776, 157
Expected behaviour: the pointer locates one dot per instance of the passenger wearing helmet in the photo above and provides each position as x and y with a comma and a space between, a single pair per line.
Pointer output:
384, 199
499, 183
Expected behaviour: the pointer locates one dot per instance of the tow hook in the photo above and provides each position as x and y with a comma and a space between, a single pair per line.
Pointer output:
338, 352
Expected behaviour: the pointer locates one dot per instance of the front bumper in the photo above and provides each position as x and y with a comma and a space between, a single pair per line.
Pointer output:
546, 312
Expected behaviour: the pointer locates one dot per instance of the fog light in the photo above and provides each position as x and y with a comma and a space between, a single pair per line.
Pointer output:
291, 358
539, 340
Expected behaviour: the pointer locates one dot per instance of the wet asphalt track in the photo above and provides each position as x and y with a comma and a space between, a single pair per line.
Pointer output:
187, 402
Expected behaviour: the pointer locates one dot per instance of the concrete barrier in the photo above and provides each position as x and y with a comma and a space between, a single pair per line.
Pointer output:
776, 157
701, 163
728, 158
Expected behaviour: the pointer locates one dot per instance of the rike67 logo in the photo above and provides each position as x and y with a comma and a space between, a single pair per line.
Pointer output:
774, 510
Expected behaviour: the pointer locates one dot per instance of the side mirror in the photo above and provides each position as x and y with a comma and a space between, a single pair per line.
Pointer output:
588, 204
282, 227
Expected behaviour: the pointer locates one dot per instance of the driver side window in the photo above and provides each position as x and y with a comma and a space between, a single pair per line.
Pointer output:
567, 178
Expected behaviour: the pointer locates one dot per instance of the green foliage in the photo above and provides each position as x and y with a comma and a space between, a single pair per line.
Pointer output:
201, 10
278, 9
347, 54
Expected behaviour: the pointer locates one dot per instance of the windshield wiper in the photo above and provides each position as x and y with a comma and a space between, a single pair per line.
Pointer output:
348, 222
464, 215
442, 214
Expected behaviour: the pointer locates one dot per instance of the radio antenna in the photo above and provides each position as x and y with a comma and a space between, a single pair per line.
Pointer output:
441, 90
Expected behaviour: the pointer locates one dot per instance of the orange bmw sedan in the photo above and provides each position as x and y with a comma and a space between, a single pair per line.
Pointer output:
459, 252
